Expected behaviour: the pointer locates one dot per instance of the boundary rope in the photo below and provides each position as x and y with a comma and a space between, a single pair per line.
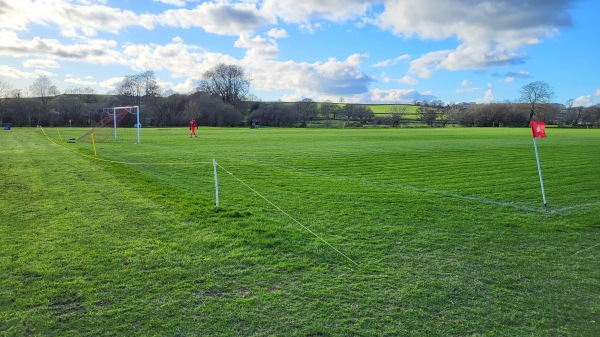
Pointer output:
227, 171
288, 215
432, 191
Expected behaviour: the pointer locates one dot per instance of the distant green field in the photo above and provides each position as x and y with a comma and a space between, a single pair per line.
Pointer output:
319, 232
383, 109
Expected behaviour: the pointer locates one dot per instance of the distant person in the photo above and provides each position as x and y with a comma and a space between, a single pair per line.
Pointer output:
193, 126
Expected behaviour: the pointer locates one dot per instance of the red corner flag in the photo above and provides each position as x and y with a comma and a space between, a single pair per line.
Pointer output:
538, 129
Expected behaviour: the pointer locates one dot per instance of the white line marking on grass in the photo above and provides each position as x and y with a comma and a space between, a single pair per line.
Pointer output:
588, 248
568, 208
432, 191
289, 216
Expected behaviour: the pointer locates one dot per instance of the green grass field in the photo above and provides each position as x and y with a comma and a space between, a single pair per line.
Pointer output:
409, 111
319, 232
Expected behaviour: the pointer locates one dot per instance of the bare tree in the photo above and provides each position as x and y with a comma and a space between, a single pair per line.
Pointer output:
536, 93
149, 86
5, 91
307, 109
135, 87
43, 88
229, 82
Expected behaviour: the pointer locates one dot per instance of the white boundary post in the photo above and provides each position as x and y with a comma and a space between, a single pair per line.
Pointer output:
138, 126
115, 122
216, 182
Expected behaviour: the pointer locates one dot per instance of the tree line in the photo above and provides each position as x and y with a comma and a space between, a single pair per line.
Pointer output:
222, 98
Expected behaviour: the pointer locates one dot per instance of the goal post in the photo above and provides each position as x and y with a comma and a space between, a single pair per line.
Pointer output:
130, 110
114, 121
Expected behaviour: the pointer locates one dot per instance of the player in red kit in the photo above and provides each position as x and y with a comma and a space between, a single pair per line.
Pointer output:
193, 126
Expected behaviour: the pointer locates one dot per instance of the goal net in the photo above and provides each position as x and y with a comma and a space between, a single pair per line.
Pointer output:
118, 124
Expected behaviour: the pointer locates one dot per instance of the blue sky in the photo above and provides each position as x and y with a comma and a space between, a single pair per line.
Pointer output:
378, 51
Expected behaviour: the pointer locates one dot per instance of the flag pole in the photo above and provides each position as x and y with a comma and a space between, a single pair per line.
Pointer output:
537, 158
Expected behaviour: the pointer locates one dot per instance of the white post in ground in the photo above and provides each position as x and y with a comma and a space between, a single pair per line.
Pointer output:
115, 122
137, 113
216, 182
537, 158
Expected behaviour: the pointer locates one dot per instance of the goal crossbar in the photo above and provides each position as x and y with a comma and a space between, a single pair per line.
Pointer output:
115, 116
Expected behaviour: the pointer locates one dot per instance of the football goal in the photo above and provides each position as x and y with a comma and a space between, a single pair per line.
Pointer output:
116, 123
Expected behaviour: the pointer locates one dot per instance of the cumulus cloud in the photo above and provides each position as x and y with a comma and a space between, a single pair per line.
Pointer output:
73, 19
93, 51
40, 64
584, 101
257, 47
221, 18
331, 78
180, 59
277, 33
87, 82
488, 96
489, 33
409, 80
11, 72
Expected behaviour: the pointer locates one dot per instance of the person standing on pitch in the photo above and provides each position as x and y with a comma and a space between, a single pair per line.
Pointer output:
193, 126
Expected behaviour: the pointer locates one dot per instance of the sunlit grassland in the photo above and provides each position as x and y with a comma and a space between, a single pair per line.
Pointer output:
398, 232
383, 109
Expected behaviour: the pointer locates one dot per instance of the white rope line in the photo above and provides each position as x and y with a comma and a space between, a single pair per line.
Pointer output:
123, 162
588, 248
288, 215
432, 191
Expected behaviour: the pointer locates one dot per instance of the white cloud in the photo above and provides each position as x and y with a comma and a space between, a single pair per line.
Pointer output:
409, 80
391, 62
584, 101
73, 19
92, 51
488, 96
424, 66
324, 79
490, 33
11, 72
40, 64
88, 19
179, 59
258, 47
221, 18
79, 82
598, 93
277, 33
111, 83
466, 87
